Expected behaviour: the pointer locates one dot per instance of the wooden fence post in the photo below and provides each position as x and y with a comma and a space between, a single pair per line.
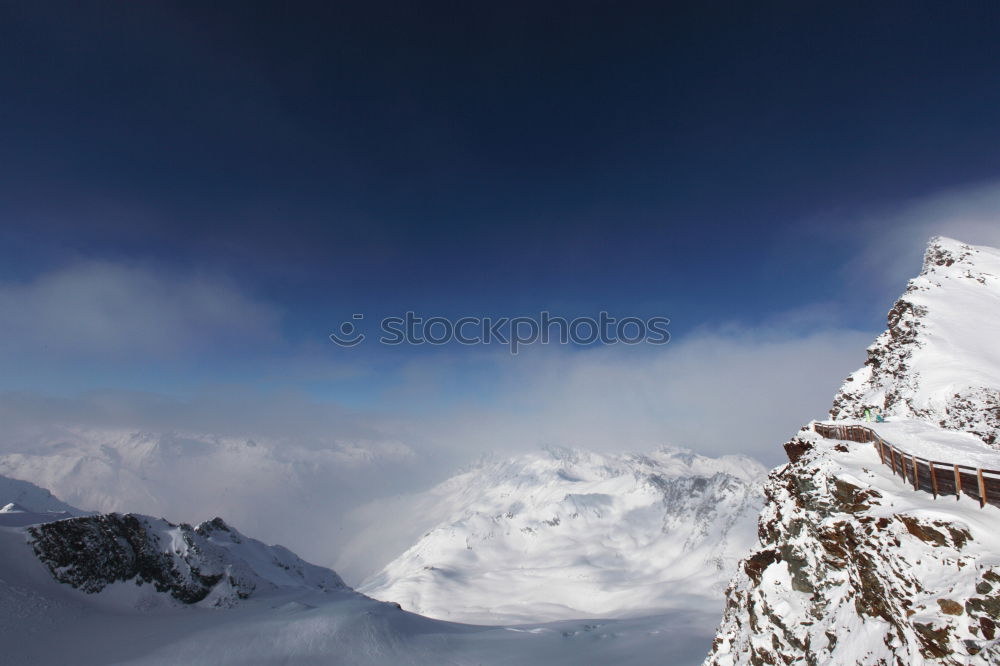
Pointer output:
916, 476
982, 488
958, 484
930, 465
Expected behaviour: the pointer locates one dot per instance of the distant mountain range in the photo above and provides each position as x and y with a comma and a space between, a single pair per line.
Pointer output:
563, 534
829, 559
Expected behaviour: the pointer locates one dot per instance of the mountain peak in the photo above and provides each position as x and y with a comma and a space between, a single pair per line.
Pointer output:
848, 549
947, 256
937, 360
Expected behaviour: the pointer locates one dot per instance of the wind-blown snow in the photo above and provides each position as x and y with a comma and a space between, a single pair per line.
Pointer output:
566, 534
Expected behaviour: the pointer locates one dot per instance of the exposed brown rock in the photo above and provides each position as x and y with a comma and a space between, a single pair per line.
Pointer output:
923, 532
756, 563
989, 628
796, 448
950, 607
852, 498
934, 642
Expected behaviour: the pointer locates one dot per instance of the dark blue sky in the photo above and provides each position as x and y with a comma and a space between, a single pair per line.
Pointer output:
710, 162
194, 194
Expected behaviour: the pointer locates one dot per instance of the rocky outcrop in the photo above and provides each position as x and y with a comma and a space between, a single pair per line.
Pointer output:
844, 574
211, 563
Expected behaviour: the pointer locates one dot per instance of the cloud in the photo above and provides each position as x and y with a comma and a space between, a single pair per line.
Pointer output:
113, 310
893, 238
727, 390
289, 468
283, 468
718, 391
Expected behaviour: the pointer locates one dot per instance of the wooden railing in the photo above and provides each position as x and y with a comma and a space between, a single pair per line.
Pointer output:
933, 476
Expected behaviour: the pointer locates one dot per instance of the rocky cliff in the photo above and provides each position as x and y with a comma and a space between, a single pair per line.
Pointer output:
853, 566
211, 564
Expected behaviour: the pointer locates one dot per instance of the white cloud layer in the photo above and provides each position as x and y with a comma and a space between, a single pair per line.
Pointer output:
111, 310
272, 463
715, 391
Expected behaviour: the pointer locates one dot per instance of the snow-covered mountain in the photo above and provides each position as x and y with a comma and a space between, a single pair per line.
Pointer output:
130, 589
24, 503
261, 485
853, 565
210, 564
938, 360
564, 533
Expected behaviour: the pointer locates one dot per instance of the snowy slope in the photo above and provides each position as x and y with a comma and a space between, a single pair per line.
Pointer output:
70, 593
33, 498
44, 623
23, 503
17, 515
938, 360
566, 534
